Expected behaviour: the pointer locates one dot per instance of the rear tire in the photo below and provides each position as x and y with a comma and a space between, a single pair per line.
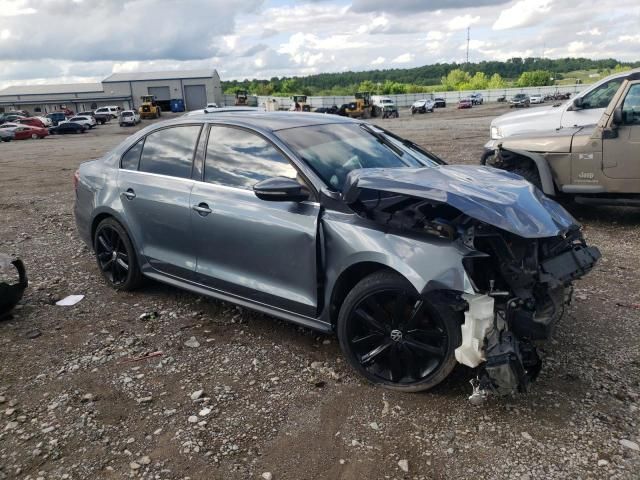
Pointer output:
396, 338
115, 256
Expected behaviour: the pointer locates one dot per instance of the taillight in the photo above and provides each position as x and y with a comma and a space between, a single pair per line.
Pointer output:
76, 179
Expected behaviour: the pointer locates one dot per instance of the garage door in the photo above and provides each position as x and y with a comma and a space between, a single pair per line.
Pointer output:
163, 95
195, 97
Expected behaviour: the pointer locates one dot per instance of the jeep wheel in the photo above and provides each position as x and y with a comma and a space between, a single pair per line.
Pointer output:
529, 173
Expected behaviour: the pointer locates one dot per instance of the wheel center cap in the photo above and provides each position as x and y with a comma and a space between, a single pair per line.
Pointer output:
396, 335
114, 255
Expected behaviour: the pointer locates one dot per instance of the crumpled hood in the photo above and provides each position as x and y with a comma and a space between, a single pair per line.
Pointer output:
493, 196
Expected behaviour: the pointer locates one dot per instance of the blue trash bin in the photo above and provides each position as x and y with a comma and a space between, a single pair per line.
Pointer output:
177, 105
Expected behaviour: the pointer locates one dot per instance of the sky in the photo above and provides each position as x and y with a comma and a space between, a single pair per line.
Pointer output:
66, 41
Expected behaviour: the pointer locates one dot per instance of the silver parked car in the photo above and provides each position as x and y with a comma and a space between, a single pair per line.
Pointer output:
338, 225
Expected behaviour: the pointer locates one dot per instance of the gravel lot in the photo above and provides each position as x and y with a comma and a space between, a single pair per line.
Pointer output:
239, 395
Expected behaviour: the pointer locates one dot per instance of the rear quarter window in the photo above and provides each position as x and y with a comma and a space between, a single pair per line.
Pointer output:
170, 151
131, 159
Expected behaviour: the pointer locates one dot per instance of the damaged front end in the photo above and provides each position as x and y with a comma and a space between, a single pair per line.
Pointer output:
522, 286
523, 251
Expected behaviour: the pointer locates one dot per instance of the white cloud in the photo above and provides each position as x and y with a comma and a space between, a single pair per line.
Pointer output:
461, 22
13, 8
254, 39
475, 45
377, 25
577, 47
230, 41
524, 13
629, 38
404, 58
593, 32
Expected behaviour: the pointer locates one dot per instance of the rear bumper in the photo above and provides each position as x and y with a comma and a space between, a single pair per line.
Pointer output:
83, 223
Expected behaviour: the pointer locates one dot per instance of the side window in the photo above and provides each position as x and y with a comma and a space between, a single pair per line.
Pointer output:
631, 106
602, 95
170, 151
239, 158
131, 158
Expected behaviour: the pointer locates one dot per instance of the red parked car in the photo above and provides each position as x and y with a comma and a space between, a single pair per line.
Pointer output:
465, 103
32, 121
22, 132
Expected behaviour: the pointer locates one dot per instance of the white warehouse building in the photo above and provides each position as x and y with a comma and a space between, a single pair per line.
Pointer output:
195, 88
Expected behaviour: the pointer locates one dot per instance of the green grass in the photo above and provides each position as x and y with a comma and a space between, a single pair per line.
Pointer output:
571, 78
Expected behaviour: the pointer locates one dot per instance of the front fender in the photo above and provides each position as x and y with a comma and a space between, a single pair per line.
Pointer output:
546, 178
427, 262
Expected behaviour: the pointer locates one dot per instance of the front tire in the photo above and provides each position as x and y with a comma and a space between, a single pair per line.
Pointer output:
116, 256
396, 338
529, 173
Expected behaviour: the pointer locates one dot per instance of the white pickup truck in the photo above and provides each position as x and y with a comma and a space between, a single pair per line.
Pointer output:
586, 108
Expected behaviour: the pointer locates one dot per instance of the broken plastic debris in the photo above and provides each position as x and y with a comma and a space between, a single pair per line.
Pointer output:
70, 300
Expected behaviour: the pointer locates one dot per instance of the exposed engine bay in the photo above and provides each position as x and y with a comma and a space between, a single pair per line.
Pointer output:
521, 283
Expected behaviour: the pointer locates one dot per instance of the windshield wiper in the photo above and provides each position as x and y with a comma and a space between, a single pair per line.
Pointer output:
382, 139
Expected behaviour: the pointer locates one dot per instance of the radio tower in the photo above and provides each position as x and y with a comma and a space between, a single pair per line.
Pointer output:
468, 29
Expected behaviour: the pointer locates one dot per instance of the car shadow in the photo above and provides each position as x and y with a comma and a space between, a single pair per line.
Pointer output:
625, 216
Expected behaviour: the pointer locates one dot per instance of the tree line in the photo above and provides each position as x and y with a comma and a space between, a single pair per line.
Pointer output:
522, 72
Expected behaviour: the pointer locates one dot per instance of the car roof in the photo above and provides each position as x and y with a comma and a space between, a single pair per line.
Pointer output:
272, 121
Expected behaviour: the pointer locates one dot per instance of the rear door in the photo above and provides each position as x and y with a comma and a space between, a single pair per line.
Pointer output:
622, 154
154, 185
259, 250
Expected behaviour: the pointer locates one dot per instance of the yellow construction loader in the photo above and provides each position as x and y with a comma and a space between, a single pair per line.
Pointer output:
241, 97
149, 107
301, 100
361, 108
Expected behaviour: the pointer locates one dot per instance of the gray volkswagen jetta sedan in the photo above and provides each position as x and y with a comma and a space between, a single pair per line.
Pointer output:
339, 225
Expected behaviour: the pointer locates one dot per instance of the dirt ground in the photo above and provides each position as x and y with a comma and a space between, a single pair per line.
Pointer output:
278, 401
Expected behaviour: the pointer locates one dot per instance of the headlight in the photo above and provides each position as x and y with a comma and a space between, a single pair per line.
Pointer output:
495, 133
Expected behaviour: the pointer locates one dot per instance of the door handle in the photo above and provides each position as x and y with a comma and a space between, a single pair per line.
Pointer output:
130, 194
202, 208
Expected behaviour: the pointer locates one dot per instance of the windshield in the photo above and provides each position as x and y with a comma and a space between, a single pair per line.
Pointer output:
127, 114
334, 150
601, 96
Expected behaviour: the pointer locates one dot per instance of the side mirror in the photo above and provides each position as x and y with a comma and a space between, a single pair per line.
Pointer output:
280, 189
618, 118
577, 102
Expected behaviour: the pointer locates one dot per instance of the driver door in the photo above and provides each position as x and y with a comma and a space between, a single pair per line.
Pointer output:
622, 154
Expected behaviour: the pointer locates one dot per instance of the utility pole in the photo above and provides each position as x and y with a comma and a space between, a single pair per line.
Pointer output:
468, 30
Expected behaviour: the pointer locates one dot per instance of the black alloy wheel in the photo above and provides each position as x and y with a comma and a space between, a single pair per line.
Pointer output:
395, 337
115, 256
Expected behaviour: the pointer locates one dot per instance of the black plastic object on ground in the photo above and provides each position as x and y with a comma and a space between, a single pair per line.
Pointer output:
11, 293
